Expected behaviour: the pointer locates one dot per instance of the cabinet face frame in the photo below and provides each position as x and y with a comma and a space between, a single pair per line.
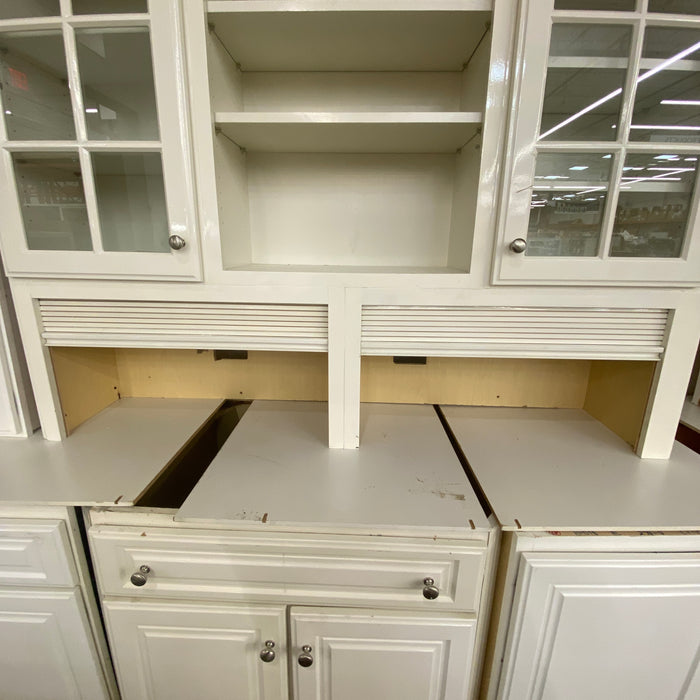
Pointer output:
530, 71
165, 30
492, 142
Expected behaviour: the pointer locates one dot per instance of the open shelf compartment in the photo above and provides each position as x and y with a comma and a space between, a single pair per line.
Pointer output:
347, 135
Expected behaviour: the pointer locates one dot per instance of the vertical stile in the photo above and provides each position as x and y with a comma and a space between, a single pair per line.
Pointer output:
82, 137
623, 130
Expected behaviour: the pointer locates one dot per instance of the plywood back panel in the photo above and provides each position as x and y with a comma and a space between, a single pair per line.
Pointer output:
87, 382
192, 374
618, 393
477, 382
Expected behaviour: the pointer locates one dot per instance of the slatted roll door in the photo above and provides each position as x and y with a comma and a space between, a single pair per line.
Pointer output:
301, 327
618, 334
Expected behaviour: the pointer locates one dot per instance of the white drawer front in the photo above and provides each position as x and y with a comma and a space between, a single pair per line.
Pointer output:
35, 552
378, 571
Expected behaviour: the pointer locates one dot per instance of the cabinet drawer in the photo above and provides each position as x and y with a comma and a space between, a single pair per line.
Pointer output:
35, 553
380, 571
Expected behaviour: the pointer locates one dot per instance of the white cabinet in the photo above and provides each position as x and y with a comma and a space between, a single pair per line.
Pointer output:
53, 647
606, 625
346, 136
47, 649
95, 178
601, 168
189, 611
178, 651
347, 654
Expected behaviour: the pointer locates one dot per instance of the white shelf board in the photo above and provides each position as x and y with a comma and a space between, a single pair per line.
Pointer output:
350, 36
690, 415
560, 469
109, 459
343, 132
277, 469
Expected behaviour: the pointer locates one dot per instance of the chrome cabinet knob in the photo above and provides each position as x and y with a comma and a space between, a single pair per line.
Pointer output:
268, 654
141, 576
430, 590
177, 242
519, 245
305, 659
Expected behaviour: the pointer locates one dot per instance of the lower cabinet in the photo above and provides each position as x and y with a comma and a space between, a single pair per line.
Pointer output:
203, 651
343, 654
204, 613
604, 625
179, 650
47, 648
52, 645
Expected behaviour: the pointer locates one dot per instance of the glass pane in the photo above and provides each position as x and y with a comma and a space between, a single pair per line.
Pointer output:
131, 201
568, 201
682, 7
100, 7
653, 206
35, 94
116, 73
618, 5
50, 189
12, 9
585, 76
667, 105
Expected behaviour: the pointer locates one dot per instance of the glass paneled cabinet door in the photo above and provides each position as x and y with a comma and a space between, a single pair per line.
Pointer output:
604, 144
95, 177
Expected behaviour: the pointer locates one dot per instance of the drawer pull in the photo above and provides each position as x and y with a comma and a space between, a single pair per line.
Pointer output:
430, 590
141, 576
268, 654
305, 659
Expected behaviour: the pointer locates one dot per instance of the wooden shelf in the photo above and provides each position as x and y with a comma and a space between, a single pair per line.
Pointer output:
343, 132
359, 35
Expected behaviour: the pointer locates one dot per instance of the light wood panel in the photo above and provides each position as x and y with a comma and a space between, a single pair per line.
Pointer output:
477, 382
192, 374
617, 395
614, 392
87, 382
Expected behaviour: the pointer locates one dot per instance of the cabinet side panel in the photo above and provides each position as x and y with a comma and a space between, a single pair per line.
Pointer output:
617, 395
87, 382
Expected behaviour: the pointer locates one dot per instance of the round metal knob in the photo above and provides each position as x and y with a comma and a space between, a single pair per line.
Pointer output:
267, 654
430, 590
518, 245
305, 659
141, 576
177, 242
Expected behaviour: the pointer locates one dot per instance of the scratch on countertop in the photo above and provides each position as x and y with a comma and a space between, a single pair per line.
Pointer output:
449, 494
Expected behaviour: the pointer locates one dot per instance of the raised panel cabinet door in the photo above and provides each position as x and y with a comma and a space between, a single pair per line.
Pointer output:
47, 650
344, 654
604, 626
181, 651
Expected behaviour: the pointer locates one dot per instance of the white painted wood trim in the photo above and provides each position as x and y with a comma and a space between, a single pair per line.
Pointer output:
352, 362
353, 6
336, 366
668, 389
43, 381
